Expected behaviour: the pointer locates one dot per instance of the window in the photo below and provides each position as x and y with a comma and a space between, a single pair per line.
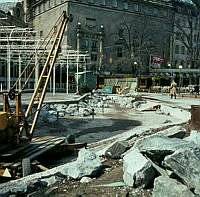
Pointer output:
18, 12
178, 21
183, 50
196, 24
94, 45
135, 7
155, 11
49, 3
125, 5
91, 22
55, 2
179, 9
103, 2
165, 13
39, 9
41, 33
90, 1
84, 44
43, 6
183, 22
94, 57
177, 36
114, 3
119, 52
177, 49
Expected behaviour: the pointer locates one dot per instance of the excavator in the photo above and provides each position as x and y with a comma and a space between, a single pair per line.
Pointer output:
16, 126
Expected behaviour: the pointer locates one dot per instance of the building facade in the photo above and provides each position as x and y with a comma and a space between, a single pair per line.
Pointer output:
119, 35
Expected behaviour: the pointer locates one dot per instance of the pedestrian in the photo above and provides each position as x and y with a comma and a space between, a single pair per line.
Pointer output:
173, 89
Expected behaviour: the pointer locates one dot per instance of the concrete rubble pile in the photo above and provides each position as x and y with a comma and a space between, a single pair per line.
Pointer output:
86, 165
171, 164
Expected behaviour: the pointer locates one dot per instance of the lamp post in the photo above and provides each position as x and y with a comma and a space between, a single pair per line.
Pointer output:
180, 82
169, 65
135, 63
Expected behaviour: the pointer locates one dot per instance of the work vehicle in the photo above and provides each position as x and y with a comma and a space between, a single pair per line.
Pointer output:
16, 127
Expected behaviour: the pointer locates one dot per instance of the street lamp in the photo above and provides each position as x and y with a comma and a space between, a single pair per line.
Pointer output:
169, 65
135, 63
180, 67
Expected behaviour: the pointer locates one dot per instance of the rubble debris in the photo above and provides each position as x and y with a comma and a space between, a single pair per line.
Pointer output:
50, 180
173, 132
167, 187
194, 137
85, 179
185, 164
157, 147
153, 108
138, 171
87, 164
117, 149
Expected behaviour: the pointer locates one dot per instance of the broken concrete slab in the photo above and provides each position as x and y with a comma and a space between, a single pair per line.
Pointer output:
173, 132
194, 137
167, 187
117, 149
185, 164
138, 171
50, 180
85, 179
87, 164
157, 147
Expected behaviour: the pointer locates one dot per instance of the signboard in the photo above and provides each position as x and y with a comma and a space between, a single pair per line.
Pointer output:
155, 61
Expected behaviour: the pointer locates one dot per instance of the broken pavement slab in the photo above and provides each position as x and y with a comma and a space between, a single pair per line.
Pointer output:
117, 149
185, 164
167, 187
138, 171
157, 147
87, 164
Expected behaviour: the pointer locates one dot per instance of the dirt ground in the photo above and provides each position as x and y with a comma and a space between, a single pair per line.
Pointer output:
112, 173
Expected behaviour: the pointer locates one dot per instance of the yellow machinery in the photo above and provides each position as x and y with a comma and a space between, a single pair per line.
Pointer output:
14, 123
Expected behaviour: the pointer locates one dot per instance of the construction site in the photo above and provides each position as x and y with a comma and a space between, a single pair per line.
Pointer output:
63, 135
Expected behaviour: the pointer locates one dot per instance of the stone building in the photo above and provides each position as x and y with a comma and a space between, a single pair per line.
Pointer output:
12, 27
12, 14
186, 35
120, 35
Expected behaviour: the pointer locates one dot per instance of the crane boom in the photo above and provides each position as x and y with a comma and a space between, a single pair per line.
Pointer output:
16, 122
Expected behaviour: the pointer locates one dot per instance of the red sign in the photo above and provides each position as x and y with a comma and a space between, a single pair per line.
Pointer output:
155, 61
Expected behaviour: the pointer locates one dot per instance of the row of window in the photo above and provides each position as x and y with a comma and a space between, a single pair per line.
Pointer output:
180, 50
135, 7
180, 36
184, 22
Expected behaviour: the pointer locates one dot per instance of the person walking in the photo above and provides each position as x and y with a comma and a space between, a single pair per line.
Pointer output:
173, 89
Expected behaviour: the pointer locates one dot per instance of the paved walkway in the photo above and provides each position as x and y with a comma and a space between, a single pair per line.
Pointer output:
183, 102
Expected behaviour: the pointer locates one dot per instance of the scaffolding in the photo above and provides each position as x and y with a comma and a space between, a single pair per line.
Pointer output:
19, 45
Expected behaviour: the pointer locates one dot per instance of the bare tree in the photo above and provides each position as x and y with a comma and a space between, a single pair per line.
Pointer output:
197, 3
188, 32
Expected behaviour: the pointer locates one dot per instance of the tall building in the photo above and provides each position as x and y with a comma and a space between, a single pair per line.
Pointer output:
120, 35
186, 35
